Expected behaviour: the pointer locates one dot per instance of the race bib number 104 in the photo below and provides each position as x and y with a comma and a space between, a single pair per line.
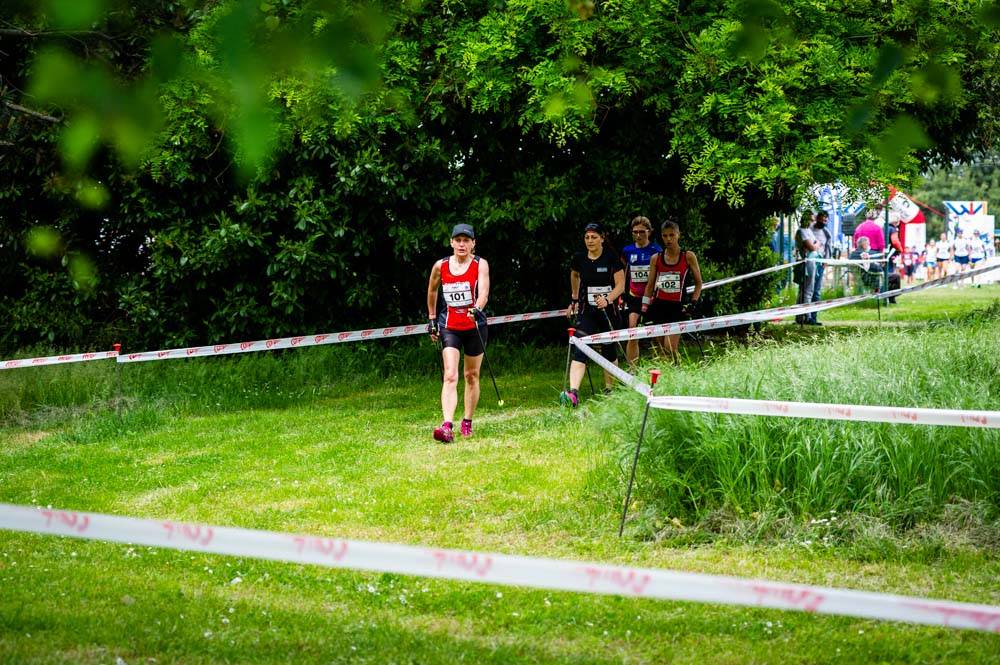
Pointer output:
639, 274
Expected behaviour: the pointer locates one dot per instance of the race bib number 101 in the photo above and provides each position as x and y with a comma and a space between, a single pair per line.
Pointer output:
458, 294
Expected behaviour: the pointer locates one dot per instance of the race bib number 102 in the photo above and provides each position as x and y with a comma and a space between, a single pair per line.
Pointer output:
669, 282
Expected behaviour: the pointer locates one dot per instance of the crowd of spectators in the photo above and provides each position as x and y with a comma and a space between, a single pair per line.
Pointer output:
871, 246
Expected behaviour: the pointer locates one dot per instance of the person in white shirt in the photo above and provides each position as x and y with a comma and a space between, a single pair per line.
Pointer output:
961, 252
977, 250
943, 255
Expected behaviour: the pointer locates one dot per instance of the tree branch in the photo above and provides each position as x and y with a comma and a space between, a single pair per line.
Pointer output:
36, 114
21, 32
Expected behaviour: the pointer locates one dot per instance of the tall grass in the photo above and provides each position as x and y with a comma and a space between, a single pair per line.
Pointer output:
703, 468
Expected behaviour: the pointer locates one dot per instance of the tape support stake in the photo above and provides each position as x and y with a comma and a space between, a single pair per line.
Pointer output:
499, 568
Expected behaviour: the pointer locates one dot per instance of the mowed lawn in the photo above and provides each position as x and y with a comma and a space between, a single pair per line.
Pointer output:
361, 464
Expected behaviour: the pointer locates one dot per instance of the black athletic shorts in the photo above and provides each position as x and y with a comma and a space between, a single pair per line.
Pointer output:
592, 321
665, 311
466, 341
633, 304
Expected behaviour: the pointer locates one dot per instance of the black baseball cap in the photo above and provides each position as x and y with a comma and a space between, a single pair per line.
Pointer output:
463, 230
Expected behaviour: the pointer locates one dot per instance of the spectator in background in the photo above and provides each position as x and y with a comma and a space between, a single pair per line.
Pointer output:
894, 252
871, 229
824, 250
776, 246
961, 252
870, 271
930, 260
805, 273
775, 243
977, 250
910, 257
943, 255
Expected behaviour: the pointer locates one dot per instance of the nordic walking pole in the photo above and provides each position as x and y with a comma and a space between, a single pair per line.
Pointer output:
118, 378
590, 381
486, 359
654, 376
569, 354
611, 328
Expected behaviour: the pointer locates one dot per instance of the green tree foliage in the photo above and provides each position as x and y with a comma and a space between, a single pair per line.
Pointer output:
220, 169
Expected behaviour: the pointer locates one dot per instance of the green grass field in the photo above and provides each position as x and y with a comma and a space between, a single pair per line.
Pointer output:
319, 442
931, 304
920, 307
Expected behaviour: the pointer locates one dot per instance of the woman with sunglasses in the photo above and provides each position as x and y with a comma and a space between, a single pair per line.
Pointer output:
636, 258
596, 279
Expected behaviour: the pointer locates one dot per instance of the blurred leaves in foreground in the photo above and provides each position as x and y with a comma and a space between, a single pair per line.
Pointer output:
236, 54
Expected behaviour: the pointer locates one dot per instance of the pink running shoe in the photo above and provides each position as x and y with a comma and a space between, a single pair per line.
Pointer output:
444, 433
569, 398
466, 427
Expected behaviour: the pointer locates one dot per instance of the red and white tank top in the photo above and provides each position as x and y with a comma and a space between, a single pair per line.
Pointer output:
460, 293
670, 277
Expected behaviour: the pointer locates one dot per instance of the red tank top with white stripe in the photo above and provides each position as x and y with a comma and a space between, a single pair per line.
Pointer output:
460, 293
670, 278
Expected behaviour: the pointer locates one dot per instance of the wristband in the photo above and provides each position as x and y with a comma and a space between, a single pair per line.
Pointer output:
646, 300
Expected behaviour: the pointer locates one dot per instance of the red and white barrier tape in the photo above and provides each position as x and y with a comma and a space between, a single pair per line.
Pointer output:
628, 379
417, 329
850, 262
815, 410
720, 322
499, 568
820, 411
740, 278
785, 266
775, 313
314, 340
58, 360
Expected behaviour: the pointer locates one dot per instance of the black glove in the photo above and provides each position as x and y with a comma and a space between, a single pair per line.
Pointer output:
432, 328
690, 309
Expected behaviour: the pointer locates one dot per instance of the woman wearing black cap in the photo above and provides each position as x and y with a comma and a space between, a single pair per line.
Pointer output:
464, 279
597, 279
